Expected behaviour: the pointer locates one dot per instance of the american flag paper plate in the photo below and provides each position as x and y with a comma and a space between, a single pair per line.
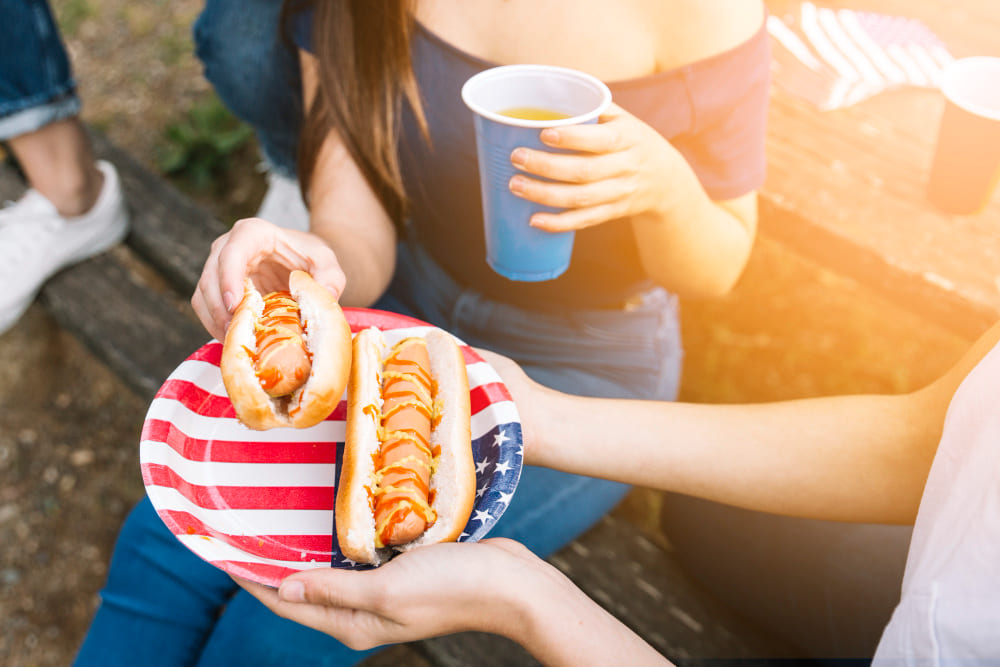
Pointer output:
259, 504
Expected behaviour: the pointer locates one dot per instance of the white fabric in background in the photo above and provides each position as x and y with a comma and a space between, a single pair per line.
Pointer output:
835, 58
949, 613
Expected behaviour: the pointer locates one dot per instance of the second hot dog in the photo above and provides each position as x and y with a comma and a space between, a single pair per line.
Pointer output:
408, 477
403, 467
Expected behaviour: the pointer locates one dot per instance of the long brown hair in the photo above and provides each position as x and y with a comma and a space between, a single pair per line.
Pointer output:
364, 74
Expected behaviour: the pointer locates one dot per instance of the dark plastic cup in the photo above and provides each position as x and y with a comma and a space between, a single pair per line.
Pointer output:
966, 163
514, 248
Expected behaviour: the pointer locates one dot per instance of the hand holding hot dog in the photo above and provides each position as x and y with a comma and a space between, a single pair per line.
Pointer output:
266, 254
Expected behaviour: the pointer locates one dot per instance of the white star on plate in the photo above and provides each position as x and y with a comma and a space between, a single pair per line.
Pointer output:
500, 438
482, 516
480, 492
481, 466
348, 561
520, 451
505, 497
503, 467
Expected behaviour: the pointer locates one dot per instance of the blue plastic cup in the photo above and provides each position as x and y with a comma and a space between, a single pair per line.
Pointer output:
514, 248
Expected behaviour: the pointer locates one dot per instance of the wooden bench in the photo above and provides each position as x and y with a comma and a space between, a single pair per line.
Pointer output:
130, 308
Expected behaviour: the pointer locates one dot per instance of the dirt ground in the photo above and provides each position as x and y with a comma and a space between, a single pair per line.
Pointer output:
69, 430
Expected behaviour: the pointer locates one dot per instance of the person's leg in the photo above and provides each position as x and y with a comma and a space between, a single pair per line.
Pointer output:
249, 634
827, 587
39, 107
74, 207
59, 163
36, 81
239, 41
160, 602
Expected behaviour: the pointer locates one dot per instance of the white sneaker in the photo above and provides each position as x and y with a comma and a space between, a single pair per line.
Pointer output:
36, 242
283, 205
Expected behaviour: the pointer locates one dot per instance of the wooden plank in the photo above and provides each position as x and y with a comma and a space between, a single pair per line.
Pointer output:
476, 648
643, 586
140, 331
927, 295
399, 655
168, 230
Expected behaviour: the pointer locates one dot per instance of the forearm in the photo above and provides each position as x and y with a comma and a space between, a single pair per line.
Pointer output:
693, 246
348, 216
856, 458
368, 268
559, 625
346, 213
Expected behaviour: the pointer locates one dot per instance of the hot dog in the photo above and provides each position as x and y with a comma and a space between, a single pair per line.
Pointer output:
407, 477
287, 355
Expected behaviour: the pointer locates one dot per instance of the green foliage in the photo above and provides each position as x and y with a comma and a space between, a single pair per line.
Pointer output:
198, 148
71, 13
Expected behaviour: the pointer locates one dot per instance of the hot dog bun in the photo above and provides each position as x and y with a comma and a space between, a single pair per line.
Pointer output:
453, 478
326, 336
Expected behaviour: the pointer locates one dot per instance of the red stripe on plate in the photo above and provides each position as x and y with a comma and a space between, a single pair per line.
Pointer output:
485, 395
362, 318
203, 402
241, 497
269, 575
470, 355
227, 451
197, 399
275, 547
210, 353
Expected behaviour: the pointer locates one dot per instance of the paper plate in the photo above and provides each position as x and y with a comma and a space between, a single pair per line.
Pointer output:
259, 504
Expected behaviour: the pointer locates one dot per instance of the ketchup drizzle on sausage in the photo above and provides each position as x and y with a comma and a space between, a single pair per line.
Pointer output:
404, 462
281, 360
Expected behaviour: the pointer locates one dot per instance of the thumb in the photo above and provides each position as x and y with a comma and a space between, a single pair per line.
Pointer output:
233, 270
332, 278
330, 588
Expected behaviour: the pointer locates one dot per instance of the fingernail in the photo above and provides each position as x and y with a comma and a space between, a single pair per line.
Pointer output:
229, 300
516, 185
550, 136
292, 591
519, 157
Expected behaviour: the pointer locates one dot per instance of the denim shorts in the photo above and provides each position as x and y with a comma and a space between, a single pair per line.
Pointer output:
36, 80
631, 352
239, 41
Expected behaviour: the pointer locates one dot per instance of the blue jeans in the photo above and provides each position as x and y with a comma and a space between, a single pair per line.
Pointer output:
255, 73
164, 606
36, 80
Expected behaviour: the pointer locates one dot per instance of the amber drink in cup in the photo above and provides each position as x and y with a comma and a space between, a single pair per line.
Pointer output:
512, 105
